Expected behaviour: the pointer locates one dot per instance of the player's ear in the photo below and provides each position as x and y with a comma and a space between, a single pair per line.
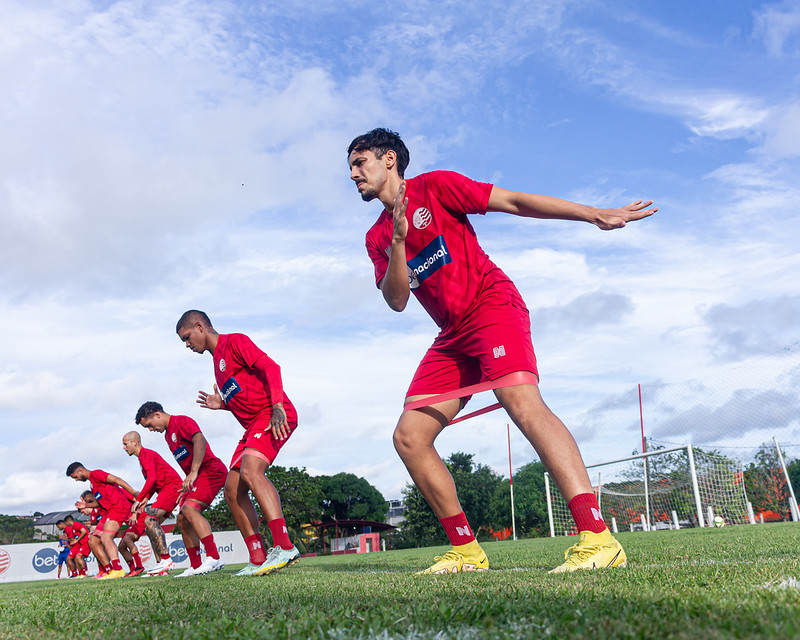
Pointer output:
390, 158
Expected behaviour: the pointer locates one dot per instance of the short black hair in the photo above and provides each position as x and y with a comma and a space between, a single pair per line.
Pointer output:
88, 492
190, 317
58, 522
68, 518
379, 141
71, 468
147, 410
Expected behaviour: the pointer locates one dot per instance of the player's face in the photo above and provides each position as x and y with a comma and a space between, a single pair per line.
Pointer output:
79, 475
368, 172
129, 446
193, 337
154, 422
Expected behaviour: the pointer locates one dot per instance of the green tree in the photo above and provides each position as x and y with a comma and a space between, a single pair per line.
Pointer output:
530, 502
346, 496
15, 530
476, 485
421, 527
765, 482
300, 495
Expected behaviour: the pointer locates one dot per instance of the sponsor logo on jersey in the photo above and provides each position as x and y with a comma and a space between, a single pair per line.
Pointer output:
229, 389
499, 352
98, 496
422, 218
428, 261
45, 560
222, 365
180, 453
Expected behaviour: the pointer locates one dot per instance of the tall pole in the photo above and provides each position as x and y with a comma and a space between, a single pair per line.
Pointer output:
644, 462
792, 498
511, 484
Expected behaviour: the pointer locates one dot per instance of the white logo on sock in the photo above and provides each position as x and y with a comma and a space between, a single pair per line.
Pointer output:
463, 531
596, 514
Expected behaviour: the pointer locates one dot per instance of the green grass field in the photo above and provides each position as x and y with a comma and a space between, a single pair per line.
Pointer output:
710, 583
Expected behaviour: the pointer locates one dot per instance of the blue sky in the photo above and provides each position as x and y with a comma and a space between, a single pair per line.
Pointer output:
173, 155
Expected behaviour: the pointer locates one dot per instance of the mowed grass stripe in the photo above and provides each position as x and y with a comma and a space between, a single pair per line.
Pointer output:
679, 584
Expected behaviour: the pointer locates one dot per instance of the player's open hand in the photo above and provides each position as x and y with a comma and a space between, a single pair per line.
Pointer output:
188, 481
399, 214
608, 219
278, 423
210, 400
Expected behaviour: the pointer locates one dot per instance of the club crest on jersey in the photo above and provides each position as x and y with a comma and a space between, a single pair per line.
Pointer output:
174, 437
222, 365
229, 389
428, 261
180, 453
422, 218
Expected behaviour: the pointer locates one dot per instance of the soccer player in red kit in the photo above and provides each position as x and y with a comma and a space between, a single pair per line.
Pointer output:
160, 478
205, 476
116, 501
423, 243
249, 385
78, 535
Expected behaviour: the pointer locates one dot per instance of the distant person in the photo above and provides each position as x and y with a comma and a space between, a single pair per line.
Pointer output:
249, 385
63, 549
160, 478
423, 243
116, 501
205, 476
128, 534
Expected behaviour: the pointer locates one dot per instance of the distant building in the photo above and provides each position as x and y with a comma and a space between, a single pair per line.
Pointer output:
45, 526
396, 513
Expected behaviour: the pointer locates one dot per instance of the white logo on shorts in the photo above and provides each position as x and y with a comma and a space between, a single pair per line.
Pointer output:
222, 365
422, 218
499, 351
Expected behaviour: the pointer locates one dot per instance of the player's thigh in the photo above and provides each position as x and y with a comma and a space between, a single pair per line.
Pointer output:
418, 428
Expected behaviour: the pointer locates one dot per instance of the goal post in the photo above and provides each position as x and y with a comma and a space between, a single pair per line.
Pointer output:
676, 488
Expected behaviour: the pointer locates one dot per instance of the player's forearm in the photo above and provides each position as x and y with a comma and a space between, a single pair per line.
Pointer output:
198, 451
394, 286
531, 205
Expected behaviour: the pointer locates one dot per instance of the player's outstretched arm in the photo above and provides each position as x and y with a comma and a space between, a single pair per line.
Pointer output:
210, 400
394, 285
532, 205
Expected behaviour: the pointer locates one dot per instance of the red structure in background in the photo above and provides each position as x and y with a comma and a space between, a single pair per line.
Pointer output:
367, 530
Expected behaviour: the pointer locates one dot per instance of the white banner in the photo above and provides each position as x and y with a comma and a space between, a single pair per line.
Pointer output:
19, 562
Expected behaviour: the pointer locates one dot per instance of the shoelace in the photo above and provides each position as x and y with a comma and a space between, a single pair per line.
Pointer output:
577, 553
449, 555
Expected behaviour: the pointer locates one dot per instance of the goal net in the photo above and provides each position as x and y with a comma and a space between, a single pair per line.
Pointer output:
662, 489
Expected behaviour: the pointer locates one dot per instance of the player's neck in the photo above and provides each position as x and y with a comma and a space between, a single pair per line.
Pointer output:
211, 342
388, 193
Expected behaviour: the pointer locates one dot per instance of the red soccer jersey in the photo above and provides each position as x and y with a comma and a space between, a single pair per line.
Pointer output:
158, 474
69, 532
108, 495
248, 379
447, 269
178, 435
78, 528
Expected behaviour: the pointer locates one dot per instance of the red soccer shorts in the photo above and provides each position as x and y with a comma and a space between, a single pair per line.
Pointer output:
138, 527
259, 437
208, 483
119, 513
81, 548
491, 342
168, 498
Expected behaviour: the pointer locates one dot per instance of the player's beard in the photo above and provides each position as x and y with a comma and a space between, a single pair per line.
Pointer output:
368, 194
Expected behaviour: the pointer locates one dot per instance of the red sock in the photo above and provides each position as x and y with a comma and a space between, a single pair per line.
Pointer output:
105, 567
255, 547
165, 556
210, 546
194, 556
73, 573
586, 513
115, 565
82, 571
280, 536
457, 529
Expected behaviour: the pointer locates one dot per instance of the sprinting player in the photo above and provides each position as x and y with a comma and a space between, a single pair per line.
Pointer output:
88, 505
205, 476
159, 478
78, 535
251, 389
116, 501
63, 549
129, 532
423, 242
